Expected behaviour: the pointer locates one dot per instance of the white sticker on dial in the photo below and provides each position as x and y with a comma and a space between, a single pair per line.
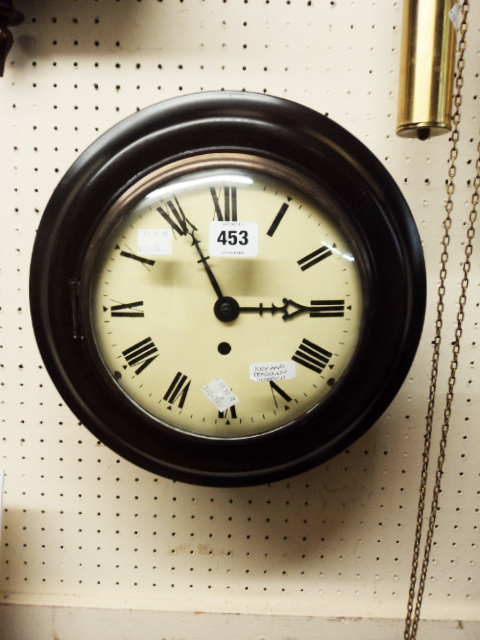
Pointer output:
154, 242
233, 239
266, 371
220, 395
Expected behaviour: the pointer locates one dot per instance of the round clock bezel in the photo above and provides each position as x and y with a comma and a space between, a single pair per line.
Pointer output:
163, 176
291, 135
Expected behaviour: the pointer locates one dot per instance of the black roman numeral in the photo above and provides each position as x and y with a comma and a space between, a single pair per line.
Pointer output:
143, 353
128, 310
283, 394
229, 413
314, 258
278, 218
180, 223
327, 309
312, 356
126, 254
178, 390
229, 213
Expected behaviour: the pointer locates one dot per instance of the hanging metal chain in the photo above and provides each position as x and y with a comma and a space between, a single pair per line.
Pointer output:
413, 607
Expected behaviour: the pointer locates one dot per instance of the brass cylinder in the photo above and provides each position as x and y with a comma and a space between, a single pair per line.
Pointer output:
426, 69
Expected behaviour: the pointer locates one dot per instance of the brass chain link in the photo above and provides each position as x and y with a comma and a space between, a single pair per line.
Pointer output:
413, 607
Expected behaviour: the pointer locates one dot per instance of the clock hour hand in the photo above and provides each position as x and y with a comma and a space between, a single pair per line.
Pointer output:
291, 309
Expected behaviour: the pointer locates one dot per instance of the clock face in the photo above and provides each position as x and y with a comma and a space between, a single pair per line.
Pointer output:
227, 288
225, 295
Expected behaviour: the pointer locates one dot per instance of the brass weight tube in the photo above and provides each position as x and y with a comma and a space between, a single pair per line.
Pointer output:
426, 69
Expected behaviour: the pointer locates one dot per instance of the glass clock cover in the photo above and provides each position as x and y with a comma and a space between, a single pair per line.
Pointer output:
225, 301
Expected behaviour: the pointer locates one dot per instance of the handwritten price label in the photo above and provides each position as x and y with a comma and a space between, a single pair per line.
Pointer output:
266, 371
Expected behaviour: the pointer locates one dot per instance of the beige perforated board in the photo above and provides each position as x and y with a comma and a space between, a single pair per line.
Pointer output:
80, 525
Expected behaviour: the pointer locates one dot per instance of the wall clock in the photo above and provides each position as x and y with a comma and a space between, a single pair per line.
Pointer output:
227, 288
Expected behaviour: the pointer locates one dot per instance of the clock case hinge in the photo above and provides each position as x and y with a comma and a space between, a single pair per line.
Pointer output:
74, 286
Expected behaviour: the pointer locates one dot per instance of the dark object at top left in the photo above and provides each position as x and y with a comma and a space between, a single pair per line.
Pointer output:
9, 17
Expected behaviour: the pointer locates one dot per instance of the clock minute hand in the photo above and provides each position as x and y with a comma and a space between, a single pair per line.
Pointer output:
182, 225
317, 309
203, 261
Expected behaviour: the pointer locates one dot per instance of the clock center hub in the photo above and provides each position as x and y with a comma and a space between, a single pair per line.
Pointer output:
226, 309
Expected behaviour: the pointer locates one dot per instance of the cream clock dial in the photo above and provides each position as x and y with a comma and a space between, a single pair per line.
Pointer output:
227, 288
274, 314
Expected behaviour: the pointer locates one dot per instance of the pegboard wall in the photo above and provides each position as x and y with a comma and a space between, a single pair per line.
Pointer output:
81, 526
